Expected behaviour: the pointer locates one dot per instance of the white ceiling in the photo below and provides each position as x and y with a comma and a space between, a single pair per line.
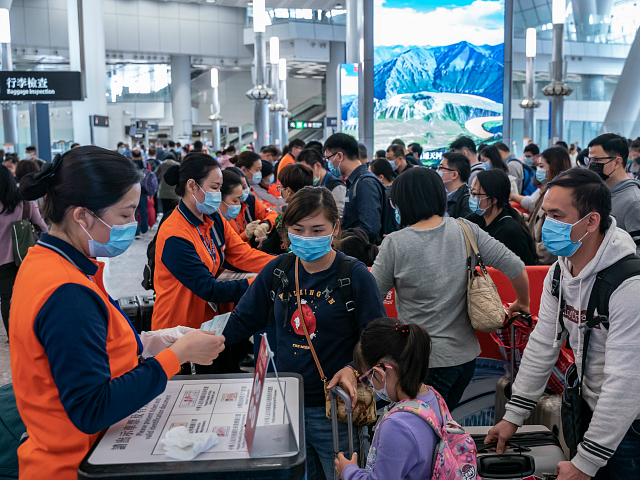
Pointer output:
313, 4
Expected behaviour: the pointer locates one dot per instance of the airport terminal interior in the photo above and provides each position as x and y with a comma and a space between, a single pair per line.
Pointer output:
423, 215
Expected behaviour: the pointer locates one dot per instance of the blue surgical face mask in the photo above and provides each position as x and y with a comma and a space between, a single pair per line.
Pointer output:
232, 211
269, 180
398, 216
556, 237
474, 205
528, 161
310, 249
393, 165
122, 150
245, 195
440, 172
316, 181
120, 238
486, 165
541, 175
257, 178
211, 202
335, 171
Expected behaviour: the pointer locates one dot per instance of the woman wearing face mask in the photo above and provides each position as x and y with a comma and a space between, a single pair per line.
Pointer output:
246, 215
489, 202
491, 159
311, 223
193, 244
395, 359
382, 169
553, 161
62, 317
322, 178
261, 183
431, 290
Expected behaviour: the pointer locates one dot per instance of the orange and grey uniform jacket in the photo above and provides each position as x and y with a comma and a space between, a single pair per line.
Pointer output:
252, 209
74, 360
189, 254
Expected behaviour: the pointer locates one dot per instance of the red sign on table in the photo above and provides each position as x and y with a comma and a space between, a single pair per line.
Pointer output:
256, 393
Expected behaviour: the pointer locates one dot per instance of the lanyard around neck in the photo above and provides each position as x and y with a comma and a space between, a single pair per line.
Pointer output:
210, 249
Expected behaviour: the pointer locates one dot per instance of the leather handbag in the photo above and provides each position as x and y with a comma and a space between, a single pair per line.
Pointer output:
24, 234
484, 305
364, 411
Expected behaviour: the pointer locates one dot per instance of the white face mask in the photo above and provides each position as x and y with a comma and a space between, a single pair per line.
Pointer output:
382, 393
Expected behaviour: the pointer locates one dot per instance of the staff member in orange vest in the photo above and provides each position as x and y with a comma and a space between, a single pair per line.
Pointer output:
74, 354
247, 216
193, 245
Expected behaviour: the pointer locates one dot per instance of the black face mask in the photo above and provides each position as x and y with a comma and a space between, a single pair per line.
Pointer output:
599, 169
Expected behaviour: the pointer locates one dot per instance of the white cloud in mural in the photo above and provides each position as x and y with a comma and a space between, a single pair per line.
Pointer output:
480, 23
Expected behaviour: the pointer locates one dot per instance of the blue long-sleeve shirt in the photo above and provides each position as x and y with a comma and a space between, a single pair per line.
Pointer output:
364, 210
327, 321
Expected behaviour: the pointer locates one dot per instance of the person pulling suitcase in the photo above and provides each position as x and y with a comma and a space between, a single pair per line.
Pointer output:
589, 299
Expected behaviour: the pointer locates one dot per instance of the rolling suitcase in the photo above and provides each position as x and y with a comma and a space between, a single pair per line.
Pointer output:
130, 306
146, 303
532, 451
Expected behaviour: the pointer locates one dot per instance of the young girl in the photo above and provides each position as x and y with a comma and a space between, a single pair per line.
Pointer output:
395, 359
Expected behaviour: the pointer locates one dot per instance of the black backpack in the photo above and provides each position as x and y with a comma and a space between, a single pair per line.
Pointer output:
342, 283
150, 267
387, 220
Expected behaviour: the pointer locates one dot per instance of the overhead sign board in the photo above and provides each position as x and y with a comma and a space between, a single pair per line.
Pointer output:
303, 125
40, 86
100, 121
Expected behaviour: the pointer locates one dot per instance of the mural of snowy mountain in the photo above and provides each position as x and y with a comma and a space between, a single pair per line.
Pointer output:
433, 94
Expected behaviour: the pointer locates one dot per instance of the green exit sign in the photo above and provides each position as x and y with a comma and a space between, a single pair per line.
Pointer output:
299, 125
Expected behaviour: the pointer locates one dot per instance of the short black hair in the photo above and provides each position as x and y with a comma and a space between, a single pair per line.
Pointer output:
30, 149
381, 166
416, 149
612, 144
381, 153
533, 149
362, 151
345, 143
463, 142
271, 149
172, 144
316, 145
563, 144
296, 176
588, 192
418, 194
398, 141
635, 144
310, 156
396, 149
502, 147
296, 142
197, 146
266, 169
459, 163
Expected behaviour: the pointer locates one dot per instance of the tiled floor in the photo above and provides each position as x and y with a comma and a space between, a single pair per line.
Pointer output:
122, 278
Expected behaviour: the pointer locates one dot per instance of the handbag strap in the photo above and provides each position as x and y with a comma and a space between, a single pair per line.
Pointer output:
471, 242
304, 324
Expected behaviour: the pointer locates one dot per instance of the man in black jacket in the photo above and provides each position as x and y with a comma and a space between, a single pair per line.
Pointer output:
455, 170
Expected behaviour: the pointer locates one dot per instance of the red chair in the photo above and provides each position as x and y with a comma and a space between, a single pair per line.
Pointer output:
519, 207
536, 273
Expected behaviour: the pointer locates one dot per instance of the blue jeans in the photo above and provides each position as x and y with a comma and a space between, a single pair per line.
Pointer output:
143, 224
625, 462
450, 382
319, 437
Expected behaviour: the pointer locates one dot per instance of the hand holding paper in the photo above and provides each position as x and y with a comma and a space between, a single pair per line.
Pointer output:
216, 324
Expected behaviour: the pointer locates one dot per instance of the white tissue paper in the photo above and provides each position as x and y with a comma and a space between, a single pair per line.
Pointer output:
182, 445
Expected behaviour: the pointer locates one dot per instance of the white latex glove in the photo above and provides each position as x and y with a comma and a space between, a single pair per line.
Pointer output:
182, 445
251, 228
261, 231
156, 341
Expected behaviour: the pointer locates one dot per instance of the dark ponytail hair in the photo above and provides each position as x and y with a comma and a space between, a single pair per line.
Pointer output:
382, 167
196, 166
496, 185
408, 345
230, 180
9, 194
355, 243
89, 177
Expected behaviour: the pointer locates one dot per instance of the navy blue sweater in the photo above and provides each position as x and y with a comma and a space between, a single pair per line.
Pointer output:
327, 322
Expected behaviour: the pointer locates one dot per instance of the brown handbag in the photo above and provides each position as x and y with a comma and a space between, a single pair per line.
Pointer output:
364, 411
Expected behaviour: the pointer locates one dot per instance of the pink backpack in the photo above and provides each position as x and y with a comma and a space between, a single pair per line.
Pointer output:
456, 457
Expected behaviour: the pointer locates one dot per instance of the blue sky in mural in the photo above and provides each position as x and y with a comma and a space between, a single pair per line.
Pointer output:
438, 71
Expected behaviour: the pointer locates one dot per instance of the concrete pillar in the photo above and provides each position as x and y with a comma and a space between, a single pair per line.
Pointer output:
337, 56
624, 111
181, 97
274, 107
10, 111
365, 79
40, 129
86, 53
557, 89
507, 81
353, 38
285, 118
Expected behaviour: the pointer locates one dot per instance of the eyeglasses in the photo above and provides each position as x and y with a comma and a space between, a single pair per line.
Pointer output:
330, 156
589, 160
447, 169
364, 378
478, 195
